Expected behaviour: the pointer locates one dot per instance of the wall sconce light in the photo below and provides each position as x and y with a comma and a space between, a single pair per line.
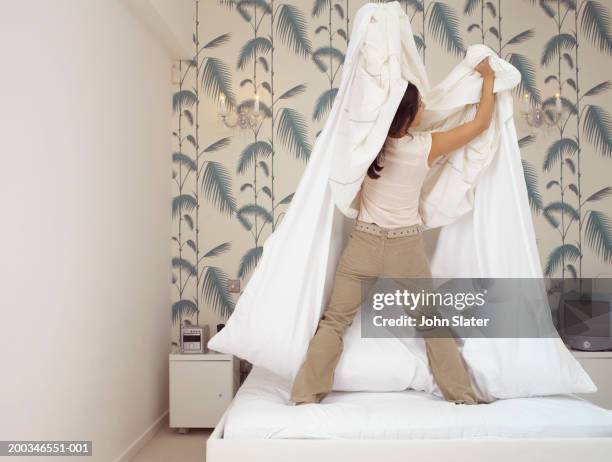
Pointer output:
244, 118
541, 116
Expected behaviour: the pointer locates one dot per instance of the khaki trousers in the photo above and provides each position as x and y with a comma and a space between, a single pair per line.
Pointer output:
366, 257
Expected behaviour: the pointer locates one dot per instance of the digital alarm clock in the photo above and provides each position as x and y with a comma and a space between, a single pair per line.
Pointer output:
194, 339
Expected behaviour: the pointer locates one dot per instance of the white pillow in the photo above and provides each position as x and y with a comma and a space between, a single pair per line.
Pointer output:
516, 368
382, 364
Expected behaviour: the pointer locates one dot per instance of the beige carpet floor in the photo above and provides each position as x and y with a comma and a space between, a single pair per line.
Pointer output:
170, 446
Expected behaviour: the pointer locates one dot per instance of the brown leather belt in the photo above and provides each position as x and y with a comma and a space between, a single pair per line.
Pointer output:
373, 228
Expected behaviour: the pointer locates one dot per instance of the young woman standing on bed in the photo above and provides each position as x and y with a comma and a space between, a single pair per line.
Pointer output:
387, 241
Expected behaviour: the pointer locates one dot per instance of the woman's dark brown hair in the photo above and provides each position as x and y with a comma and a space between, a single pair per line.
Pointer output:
405, 114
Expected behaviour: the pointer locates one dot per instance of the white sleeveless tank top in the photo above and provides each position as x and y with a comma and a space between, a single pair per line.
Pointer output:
392, 200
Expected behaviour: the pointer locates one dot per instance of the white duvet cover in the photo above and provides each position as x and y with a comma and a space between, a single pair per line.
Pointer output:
478, 197
260, 411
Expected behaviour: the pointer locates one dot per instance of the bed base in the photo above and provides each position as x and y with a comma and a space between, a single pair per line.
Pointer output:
219, 449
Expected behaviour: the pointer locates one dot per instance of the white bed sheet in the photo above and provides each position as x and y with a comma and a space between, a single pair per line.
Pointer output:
261, 410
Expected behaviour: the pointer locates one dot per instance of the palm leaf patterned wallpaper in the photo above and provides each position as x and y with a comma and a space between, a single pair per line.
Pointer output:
231, 187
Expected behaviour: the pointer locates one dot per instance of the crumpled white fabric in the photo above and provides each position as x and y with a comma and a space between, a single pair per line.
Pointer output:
476, 194
386, 63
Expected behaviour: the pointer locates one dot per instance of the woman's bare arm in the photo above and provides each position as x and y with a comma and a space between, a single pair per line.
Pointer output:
444, 142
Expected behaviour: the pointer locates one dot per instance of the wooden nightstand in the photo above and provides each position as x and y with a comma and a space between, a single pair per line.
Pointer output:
598, 365
201, 388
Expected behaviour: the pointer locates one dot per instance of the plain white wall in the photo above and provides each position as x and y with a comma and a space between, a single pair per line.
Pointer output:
85, 110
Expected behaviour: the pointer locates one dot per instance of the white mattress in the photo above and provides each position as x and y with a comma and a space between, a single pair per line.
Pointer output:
261, 410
